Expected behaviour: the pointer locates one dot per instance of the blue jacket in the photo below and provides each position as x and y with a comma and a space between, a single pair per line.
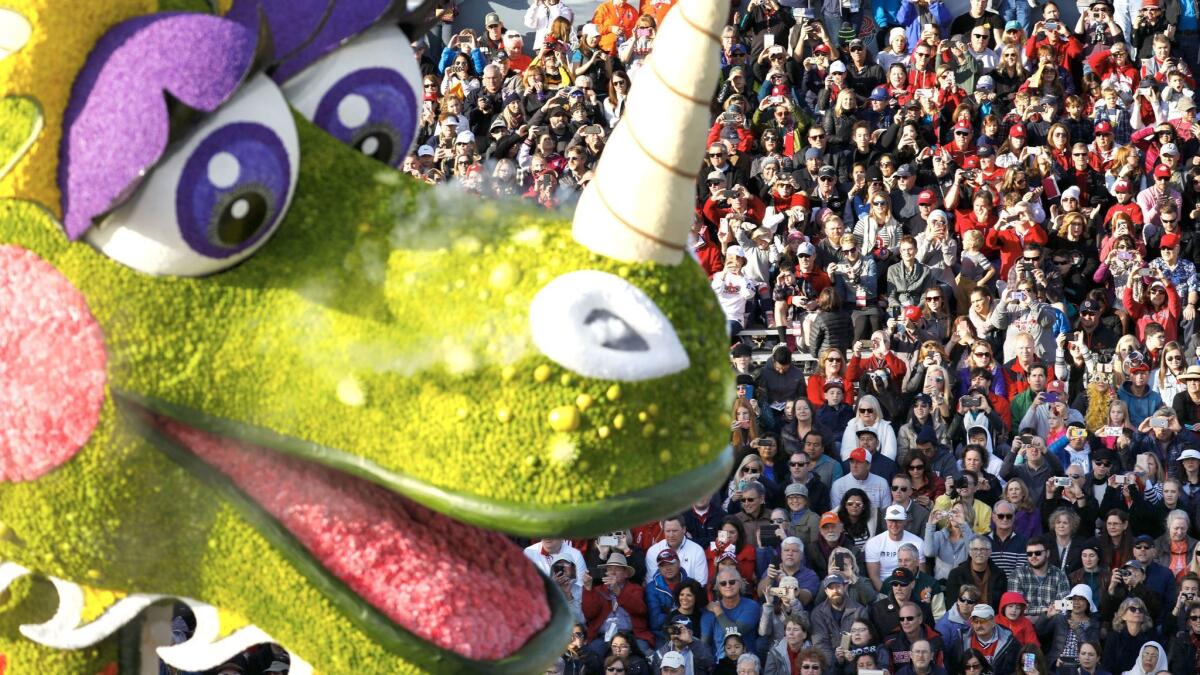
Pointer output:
660, 602
910, 18
1140, 407
885, 15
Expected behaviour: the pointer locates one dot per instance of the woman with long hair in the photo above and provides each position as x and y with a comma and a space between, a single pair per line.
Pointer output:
1040, 667
948, 546
840, 118
1107, 416
831, 365
731, 540
618, 95
804, 414
927, 486
691, 601
921, 415
1150, 476
1027, 521
634, 50
973, 662
1165, 378
858, 517
1127, 163
1116, 543
744, 426
863, 640
624, 649
869, 414
1014, 150
1009, 73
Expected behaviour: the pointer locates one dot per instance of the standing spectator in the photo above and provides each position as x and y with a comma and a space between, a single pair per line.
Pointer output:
618, 604
690, 554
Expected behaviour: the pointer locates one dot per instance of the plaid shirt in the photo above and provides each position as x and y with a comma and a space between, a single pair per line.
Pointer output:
1039, 592
1118, 117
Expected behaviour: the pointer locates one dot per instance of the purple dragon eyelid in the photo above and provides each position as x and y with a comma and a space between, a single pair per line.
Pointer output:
306, 30
117, 124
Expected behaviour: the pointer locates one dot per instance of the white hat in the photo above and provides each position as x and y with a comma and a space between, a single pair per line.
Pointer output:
465, 137
983, 611
898, 30
673, 659
1071, 192
425, 151
895, 512
1083, 591
806, 249
837, 67
1189, 454
591, 30
735, 250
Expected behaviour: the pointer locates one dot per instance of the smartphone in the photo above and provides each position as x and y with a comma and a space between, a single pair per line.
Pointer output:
1076, 432
606, 540
746, 391
741, 485
1017, 295
768, 538
1051, 25
1063, 605
845, 645
970, 401
1027, 663
1061, 481
1121, 479
1050, 397
1110, 432
722, 537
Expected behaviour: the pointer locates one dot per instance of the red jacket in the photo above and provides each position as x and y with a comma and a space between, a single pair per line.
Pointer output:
1167, 316
815, 390
745, 142
1109, 72
1010, 244
597, 605
890, 362
1068, 51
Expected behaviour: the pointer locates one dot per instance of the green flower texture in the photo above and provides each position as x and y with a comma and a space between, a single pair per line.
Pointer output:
382, 332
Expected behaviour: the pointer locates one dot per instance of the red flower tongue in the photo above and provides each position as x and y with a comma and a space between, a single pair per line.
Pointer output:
463, 589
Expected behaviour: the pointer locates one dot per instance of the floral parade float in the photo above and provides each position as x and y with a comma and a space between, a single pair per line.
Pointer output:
247, 365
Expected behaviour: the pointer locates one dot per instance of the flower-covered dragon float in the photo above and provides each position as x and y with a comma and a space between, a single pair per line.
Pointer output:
248, 365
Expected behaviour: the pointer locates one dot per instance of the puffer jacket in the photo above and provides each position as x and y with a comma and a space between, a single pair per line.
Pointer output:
830, 329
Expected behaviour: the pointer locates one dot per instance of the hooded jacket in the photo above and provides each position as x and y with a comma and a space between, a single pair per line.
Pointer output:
1021, 628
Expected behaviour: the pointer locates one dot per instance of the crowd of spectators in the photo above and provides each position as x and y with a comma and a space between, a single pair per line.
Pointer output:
964, 246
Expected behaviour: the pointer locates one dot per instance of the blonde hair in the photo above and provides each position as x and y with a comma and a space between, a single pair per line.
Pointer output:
972, 240
1026, 504
1119, 618
1099, 402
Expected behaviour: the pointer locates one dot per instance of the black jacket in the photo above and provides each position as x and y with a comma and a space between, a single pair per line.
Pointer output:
830, 329
961, 576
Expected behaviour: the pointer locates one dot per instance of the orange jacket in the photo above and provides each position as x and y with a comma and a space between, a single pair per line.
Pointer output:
658, 11
609, 15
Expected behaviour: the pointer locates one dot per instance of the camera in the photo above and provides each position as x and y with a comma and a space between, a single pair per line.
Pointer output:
778, 592
1063, 605
971, 401
1122, 479
561, 567
1159, 422
1061, 481
609, 540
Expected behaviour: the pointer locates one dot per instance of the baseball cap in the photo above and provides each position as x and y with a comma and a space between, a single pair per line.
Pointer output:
895, 512
834, 383
1162, 171
812, 153
1071, 192
716, 175
986, 83
1055, 386
667, 556
492, 19
912, 313
837, 67
465, 137
513, 34
673, 659
879, 94
1104, 127
1143, 539
1135, 564
983, 611
985, 150
902, 575
833, 579
1170, 149
1017, 131
855, 43
425, 151
795, 489
827, 171
860, 455
963, 124
971, 162
1190, 453
905, 171
866, 430
1090, 306
926, 197
806, 249
1013, 25
831, 518
1121, 186
1169, 240
591, 30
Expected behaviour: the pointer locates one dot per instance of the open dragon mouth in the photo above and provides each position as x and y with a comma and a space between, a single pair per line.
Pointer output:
438, 579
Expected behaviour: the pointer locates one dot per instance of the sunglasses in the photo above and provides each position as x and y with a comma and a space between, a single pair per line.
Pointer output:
916, 467
797, 464
907, 618
983, 354
716, 154
1101, 462
962, 133
879, 203
978, 35
900, 488
1194, 618
728, 582
1136, 610
970, 600
815, 137
1035, 554
1004, 516
867, 410
926, 54
578, 635
933, 298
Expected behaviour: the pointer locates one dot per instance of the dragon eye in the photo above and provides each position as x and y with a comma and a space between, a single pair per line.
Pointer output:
364, 94
215, 198
602, 326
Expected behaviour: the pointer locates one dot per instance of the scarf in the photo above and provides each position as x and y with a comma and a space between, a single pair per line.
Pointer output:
983, 583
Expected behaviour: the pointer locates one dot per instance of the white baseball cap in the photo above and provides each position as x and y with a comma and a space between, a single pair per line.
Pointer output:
673, 659
895, 512
425, 151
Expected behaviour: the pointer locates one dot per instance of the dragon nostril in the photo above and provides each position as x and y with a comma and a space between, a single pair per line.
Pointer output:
613, 332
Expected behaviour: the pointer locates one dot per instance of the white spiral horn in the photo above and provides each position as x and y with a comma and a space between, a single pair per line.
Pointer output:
639, 205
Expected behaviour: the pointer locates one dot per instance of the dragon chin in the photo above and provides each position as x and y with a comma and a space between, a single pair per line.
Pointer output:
380, 556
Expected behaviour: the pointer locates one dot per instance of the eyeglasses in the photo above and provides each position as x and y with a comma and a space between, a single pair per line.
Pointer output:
899, 584
826, 179
907, 618
1195, 617
1035, 554
900, 488
728, 582
983, 354
1101, 462
1004, 516
797, 463
716, 154
815, 137
1079, 154
933, 298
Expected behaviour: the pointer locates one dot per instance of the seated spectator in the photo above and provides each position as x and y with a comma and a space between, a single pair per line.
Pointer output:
1074, 628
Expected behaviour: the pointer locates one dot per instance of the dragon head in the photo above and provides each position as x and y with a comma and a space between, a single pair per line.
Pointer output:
247, 362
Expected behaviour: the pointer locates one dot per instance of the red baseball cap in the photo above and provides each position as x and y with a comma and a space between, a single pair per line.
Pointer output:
1104, 127
1161, 171
1017, 131
971, 162
912, 313
963, 124
926, 197
1056, 386
1169, 240
860, 455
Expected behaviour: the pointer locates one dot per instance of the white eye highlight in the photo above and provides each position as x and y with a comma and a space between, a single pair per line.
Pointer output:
216, 197
599, 325
366, 94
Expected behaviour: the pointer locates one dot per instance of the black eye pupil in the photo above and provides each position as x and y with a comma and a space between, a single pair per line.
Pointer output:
618, 334
378, 145
244, 214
